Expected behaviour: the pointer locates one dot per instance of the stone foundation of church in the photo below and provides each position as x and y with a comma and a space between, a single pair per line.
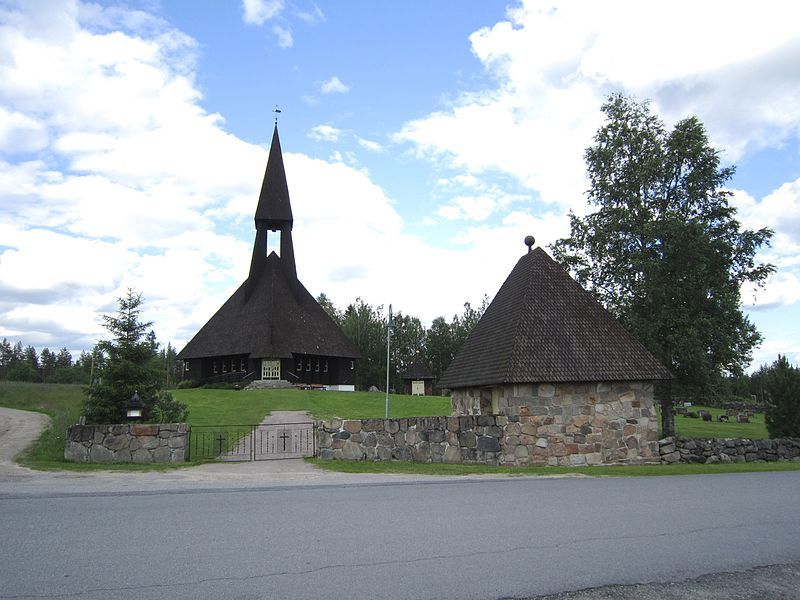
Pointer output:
574, 424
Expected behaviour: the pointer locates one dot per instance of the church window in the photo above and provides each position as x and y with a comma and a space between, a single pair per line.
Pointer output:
308, 365
299, 364
242, 366
224, 366
352, 365
186, 365
325, 367
316, 368
215, 367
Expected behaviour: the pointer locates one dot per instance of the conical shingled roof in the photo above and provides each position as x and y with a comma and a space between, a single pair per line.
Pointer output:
273, 202
543, 327
275, 321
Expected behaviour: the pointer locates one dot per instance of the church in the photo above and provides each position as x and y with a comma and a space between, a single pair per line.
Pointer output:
272, 328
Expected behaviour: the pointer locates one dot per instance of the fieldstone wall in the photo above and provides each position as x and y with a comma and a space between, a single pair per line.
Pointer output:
710, 451
130, 442
572, 423
486, 439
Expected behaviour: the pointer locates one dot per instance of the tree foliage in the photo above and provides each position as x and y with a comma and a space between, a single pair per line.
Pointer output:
130, 365
436, 345
782, 383
663, 250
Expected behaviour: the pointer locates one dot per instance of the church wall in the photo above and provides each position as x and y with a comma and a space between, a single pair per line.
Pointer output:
570, 423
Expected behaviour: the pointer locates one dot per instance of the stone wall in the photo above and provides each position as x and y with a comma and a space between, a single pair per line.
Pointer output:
709, 451
615, 420
130, 442
487, 439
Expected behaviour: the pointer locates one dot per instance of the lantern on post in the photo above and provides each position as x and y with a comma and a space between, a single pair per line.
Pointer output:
134, 407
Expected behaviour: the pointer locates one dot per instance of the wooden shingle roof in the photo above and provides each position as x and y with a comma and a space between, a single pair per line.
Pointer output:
418, 370
279, 318
543, 327
273, 201
271, 315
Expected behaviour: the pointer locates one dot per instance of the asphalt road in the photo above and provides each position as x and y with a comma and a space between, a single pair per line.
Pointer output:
483, 539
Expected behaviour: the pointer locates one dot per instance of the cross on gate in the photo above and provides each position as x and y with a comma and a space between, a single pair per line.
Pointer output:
284, 437
220, 439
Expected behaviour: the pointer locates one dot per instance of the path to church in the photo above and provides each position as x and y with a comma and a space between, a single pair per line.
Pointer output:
283, 434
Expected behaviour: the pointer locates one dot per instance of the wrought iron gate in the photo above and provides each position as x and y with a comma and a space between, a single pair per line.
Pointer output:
253, 442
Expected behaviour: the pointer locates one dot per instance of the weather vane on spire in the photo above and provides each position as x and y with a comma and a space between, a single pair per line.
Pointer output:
277, 111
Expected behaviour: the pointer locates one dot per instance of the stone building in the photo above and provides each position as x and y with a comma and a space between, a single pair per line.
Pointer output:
568, 382
272, 328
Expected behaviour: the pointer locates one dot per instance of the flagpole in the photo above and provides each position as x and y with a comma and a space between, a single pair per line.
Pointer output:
388, 347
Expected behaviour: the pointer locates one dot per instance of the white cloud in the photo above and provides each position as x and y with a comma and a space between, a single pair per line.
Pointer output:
312, 16
325, 133
20, 133
477, 208
334, 86
284, 35
369, 145
140, 186
554, 63
258, 12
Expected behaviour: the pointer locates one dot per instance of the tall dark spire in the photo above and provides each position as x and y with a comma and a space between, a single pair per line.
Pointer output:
273, 202
273, 214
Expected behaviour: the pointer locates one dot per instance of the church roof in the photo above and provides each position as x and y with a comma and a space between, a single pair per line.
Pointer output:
271, 315
273, 202
279, 318
418, 370
543, 327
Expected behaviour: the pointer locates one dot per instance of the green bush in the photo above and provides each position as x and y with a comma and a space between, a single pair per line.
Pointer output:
782, 385
186, 384
165, 409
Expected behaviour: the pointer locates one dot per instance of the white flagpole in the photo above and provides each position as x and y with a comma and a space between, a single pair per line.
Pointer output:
388, 347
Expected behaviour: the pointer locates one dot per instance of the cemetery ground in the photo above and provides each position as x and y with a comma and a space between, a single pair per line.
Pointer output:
62, 403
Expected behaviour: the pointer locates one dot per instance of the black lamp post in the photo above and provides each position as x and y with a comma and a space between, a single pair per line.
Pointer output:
134, 407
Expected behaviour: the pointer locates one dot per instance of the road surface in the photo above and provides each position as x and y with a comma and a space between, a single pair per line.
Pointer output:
439, 538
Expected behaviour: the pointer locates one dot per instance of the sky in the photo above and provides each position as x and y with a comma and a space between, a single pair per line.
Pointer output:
423, 140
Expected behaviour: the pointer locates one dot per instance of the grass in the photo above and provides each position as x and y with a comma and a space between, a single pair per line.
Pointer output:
61, 401
697, 428
230, 407
413, 468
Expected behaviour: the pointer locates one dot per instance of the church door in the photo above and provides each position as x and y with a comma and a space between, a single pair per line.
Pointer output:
270, 369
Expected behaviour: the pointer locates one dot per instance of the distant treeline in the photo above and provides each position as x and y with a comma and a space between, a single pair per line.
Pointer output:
23, 363
435, 345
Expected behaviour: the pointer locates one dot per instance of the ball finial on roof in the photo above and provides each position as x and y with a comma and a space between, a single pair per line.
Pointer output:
529, 242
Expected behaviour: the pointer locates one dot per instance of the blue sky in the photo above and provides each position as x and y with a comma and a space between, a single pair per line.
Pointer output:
422, 142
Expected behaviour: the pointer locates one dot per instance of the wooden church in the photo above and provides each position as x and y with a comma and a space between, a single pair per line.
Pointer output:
272, 328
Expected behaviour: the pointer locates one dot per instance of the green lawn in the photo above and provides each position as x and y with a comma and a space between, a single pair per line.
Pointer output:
61, 401
697, 428
246, 407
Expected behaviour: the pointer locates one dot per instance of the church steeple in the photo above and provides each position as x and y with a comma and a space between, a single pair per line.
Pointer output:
273, 215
